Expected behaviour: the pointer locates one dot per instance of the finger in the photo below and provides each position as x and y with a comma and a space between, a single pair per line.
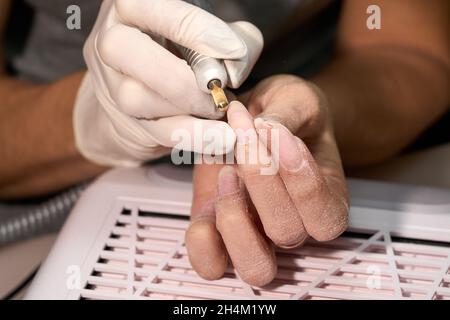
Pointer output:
204, 244
252, 256
278, 214
137, 100
204, 180
239, 69
326, 154
290, 101
315, 181
146, 61
316, 185
184, 24
187, 133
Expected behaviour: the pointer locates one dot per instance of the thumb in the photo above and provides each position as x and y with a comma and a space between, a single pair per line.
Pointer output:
184, 24
296, 104
239, 69
187, 133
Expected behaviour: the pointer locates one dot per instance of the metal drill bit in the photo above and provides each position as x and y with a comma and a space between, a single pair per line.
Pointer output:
219, 97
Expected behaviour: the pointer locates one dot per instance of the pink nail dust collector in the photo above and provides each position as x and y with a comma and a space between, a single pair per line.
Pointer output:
125, 240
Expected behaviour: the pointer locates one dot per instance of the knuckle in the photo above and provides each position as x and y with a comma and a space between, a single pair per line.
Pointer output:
182, 30
309, 104
312, 189
202, 208
316, 102
129, 98
225, 220
203, 196
231, 210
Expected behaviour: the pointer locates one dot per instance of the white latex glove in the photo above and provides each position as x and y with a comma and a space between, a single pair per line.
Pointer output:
138, 93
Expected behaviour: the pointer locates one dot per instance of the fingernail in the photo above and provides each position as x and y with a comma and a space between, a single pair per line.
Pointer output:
283, 144
241, 121
263, 123
264, 129
270, 119
260, 123
228, 181
290, 155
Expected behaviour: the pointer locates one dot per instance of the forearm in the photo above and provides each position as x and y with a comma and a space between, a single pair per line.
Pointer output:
382, 99
38, 153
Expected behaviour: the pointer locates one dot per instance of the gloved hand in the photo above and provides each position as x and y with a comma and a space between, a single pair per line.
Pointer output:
138, 95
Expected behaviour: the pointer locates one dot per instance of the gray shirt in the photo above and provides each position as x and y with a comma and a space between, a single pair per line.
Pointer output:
52, 51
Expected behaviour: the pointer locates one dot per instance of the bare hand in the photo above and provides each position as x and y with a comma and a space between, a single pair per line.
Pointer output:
250, 211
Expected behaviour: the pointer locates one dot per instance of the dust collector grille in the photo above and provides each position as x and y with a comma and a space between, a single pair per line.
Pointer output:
143, 257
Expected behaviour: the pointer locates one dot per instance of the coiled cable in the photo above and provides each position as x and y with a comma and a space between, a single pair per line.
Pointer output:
39, 219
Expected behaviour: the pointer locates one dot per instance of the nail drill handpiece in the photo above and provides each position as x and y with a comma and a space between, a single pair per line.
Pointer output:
210, 73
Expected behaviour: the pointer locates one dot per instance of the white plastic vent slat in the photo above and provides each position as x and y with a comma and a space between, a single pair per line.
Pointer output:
144, 257
117, 249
